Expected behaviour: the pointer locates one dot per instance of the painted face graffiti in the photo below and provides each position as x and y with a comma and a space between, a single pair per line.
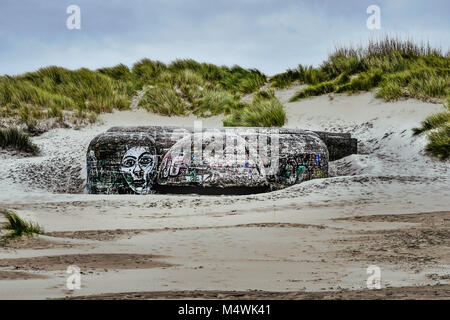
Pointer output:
138, 167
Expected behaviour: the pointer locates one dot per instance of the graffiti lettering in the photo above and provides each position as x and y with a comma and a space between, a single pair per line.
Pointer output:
141, 160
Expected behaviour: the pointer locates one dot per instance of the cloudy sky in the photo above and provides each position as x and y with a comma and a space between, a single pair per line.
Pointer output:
270, 35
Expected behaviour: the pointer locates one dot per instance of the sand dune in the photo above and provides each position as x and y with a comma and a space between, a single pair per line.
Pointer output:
387, 206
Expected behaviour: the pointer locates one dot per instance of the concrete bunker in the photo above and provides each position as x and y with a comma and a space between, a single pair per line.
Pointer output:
143, 160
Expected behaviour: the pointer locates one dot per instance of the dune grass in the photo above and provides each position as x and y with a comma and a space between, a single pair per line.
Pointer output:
17, 227
61, 94
302, 74
398, 68
264, 111
18, 140
189, 87
79, 96
395, 68
437, 126
191, 72
439, 142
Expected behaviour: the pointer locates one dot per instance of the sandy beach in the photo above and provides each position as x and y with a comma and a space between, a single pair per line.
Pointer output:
387, 206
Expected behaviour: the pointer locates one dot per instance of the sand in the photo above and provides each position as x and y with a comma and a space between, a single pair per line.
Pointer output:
399, 293
86, 262
386, 206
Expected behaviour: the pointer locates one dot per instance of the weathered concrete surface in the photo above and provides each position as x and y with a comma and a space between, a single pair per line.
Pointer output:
211, 159
121, 163
339, 145
143, 160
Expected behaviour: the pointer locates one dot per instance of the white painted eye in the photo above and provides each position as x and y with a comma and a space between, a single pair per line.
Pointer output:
145, 160
128, 162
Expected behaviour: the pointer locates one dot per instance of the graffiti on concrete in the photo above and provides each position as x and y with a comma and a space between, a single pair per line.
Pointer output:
126, 163
138, 168
214, 162
296, 169
144, 160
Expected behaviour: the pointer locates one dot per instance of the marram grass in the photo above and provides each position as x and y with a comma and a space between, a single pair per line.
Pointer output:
18, 140
398, 68
437, 126
17, 227
79, 96
395, 69
188, 87
264, 111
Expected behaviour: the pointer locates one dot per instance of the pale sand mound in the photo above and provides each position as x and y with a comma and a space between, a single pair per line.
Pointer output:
403, 293
101, 235
17, 275
86, 262
387, 205
383, 131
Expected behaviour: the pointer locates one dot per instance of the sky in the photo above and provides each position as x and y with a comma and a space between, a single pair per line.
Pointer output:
270, 35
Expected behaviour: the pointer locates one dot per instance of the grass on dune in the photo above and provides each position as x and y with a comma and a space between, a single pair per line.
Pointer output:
234, 80
145, 71
17, 140
264, 111
213, 102
17, 227
439, 142
437, 126
79, 96
362, 82
163, 99
398, 68
422, 83
302, 74
118, 72
52, 92
188, 87
83, 89
316, 90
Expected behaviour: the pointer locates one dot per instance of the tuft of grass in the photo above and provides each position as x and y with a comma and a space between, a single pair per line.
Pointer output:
315, 90
189, 87
146, 70
264, 94
285, 79
390, 91
438, 128
211, 102
251, 82
118, 72
422, 83
264, 111
163, 99
303, 74
439, 142
362, 82
433, 122
18, 227
17, 140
